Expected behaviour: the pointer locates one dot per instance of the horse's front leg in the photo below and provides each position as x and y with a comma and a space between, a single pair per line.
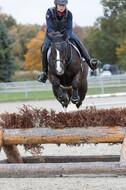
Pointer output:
57, 90
62, 98
75, 98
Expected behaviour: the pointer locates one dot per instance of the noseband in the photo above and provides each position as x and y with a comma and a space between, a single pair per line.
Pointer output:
61, 60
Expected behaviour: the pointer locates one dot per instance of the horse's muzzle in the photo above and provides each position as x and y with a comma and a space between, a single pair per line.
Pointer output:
60, 72
59, 68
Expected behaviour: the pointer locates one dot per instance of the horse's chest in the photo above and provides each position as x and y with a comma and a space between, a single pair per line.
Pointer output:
66, 80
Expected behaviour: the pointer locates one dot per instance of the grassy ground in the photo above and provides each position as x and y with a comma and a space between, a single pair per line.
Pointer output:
42, 95
25, 76
31, 96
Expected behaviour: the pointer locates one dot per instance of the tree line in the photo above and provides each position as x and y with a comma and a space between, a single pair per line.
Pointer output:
105, 40
13, 45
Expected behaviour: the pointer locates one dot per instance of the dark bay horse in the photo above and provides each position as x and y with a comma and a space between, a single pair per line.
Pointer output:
66, 72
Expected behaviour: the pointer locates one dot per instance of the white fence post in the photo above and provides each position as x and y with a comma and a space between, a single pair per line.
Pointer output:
25, 88
102, 86
5, 90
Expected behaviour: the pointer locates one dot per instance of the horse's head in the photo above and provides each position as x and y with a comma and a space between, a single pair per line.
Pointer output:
58, 51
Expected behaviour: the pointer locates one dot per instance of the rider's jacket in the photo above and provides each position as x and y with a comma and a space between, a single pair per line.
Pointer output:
58, 23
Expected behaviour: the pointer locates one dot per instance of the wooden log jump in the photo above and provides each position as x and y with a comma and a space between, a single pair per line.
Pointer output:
62, 166
62, 169
1, 138
62, 136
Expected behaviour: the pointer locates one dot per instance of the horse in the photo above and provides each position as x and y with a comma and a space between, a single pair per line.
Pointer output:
66, 71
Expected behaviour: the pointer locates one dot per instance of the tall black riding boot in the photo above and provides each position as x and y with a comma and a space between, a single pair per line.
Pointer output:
92, 63
43, 76
83, 52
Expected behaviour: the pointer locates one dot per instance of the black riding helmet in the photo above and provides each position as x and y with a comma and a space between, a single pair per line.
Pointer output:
61, 2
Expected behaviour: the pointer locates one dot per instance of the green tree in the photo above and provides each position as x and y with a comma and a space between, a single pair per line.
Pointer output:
115, 16
21, 35
113, 26
108, 32
33, 62
101, 46
121, 53
8, 20
6, 59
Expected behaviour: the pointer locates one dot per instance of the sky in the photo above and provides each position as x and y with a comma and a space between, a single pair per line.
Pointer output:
85, 12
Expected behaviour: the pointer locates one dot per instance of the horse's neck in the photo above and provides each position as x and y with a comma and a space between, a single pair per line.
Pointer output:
72, 49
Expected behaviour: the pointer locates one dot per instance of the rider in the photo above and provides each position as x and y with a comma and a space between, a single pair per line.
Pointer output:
59, 18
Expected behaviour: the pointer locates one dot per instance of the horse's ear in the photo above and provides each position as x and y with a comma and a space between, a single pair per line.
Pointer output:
49, 37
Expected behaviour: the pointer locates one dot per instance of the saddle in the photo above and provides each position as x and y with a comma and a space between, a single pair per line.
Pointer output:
75, 46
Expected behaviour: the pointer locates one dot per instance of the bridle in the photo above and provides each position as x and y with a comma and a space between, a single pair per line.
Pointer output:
65, 61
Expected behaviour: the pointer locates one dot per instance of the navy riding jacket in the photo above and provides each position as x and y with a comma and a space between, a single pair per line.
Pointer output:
49, 19
67, 27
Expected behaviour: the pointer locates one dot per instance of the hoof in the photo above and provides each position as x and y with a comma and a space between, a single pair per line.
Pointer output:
64, 104
79, 104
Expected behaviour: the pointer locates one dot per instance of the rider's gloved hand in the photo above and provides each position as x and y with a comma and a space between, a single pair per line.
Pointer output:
66, 36
94, 64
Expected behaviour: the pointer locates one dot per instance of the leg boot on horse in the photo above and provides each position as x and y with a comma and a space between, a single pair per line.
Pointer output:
62, 98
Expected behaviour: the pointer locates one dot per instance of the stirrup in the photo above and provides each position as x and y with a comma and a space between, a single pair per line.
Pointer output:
95, 63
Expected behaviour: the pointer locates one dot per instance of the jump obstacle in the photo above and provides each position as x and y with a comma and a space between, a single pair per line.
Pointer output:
16, 166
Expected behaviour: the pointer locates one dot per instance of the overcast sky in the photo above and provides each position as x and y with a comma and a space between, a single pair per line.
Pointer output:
84, 12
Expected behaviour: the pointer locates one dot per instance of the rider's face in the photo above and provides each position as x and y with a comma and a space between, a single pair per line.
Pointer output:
61, 8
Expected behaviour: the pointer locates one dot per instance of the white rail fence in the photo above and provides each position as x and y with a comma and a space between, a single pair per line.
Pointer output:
95, 84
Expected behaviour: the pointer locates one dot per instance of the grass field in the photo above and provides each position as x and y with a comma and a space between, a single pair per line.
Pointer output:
25, 76
42, 95
31, 96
